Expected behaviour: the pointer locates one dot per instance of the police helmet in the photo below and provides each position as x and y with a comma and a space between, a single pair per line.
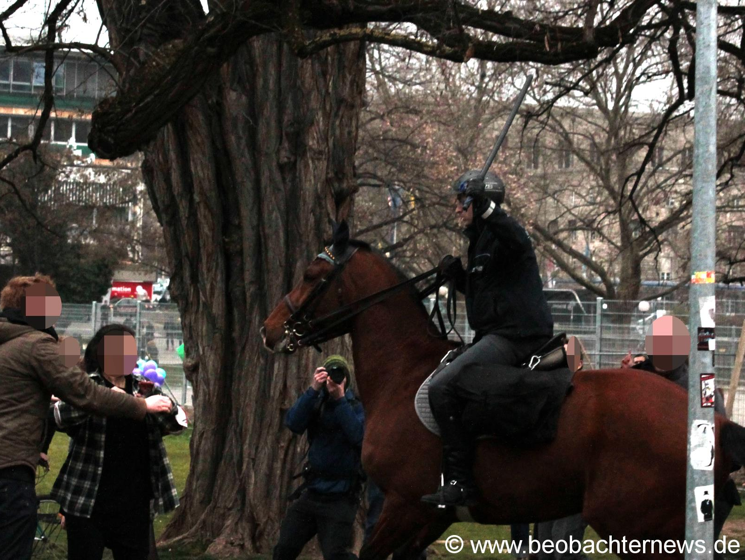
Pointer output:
493, 186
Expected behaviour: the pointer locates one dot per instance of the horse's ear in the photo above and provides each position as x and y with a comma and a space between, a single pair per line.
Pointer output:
341, 235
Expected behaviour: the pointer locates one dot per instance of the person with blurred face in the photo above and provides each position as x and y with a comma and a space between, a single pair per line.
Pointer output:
32, 368
117, 472
667, 346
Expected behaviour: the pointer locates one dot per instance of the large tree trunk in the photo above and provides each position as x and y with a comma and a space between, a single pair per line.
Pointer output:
245, 183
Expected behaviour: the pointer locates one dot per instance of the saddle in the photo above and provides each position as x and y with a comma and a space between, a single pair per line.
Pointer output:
519, 405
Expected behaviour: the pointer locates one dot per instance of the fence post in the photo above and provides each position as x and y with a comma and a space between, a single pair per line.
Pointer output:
598, 331
137, 329
93, 318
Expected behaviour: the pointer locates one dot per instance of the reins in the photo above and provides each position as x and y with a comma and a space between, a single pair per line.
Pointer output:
340, 316
302, 330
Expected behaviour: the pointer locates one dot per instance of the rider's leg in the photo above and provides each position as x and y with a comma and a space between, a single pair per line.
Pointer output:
460, 488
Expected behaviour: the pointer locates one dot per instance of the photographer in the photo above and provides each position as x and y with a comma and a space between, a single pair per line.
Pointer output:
327, 502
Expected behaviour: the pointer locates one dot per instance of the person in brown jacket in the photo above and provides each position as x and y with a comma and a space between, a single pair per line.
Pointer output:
32, 369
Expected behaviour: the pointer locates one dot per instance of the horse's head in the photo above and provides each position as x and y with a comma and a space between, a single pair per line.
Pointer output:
303, 317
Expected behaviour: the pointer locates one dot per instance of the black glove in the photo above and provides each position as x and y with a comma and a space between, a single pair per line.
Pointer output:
450, 266
475, 195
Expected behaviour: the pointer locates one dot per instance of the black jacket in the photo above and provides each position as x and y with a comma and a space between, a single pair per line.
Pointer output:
504, 291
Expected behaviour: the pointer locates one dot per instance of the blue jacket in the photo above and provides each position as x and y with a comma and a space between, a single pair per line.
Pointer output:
335, 439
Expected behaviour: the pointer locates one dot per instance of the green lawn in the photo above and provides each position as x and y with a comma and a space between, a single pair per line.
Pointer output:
178, 453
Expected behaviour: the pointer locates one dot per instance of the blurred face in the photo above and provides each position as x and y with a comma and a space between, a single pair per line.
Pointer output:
465, 217
69, 349
42, 306
574, 354
668, 343
119, 354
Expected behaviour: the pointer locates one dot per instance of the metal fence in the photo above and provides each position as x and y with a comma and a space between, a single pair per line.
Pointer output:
158, 334
609, 329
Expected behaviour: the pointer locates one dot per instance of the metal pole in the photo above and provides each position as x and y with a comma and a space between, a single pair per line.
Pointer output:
700, 473
598, 329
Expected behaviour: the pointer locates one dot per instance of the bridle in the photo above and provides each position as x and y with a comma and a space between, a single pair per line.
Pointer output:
303, 329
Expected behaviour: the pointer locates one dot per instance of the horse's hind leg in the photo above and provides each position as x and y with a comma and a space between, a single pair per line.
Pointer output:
400, 525
426, 536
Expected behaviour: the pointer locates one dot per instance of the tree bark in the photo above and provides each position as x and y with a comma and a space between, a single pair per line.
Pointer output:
245, 182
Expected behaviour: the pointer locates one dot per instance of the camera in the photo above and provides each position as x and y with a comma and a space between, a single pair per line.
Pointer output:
336, 374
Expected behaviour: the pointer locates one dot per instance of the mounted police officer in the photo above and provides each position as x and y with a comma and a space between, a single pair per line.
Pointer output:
505, 306
327, 502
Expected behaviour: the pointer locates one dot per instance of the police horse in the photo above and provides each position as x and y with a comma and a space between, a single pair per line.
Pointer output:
619, 455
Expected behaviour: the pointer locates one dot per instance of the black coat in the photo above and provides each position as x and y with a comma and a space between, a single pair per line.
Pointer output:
504, 291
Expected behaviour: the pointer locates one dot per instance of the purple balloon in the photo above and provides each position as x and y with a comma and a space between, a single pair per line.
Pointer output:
159, 379
136, 371
150, 366
151, 375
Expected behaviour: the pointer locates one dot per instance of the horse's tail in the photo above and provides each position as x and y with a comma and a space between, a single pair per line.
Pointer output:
733, 441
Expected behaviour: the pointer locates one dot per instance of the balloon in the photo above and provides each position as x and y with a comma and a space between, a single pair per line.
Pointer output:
159, 379
150, 366
160, 371
136, 371
180, 352
141, 363
151, 375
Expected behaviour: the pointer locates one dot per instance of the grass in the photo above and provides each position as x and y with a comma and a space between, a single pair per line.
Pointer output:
178, 453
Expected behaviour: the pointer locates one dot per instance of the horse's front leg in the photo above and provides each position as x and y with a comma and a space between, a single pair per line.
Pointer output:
403, 527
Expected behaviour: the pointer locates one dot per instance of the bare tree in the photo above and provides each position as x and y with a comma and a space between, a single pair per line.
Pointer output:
247, 119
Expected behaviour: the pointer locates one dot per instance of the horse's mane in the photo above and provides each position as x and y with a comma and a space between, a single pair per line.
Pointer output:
400, 274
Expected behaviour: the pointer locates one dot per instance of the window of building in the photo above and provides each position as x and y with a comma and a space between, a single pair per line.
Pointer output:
71, 83
5, 66
87, 80
658, 156
565, 158
21, 77
534, 155
686, 157
19, 127
735, 235
573, 229
665, 276
4, 127
82, 129
38, 80
62, 130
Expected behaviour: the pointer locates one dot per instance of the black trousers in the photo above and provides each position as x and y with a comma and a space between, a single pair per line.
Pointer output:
490, 349
17, 518
128, 537
313, 514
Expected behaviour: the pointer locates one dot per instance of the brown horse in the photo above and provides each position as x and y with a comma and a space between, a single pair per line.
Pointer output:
619, 456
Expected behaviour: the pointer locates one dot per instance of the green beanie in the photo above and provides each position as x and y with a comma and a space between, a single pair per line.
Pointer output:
336, 361
339, 362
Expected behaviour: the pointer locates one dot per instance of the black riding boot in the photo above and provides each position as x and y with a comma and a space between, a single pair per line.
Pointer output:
457, 451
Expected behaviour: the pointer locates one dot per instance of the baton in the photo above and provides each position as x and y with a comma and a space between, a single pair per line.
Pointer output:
502, 135
506, 127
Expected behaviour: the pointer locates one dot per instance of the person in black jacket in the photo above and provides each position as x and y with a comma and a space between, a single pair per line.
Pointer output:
327, 502
505, 306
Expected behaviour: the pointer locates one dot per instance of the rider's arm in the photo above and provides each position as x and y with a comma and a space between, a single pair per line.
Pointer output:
299, 416
511, 235
351, 419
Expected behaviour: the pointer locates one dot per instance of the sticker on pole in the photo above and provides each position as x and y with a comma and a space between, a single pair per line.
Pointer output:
704, 503
706, 339
708, 390
703, 277
706, 309
702, 445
